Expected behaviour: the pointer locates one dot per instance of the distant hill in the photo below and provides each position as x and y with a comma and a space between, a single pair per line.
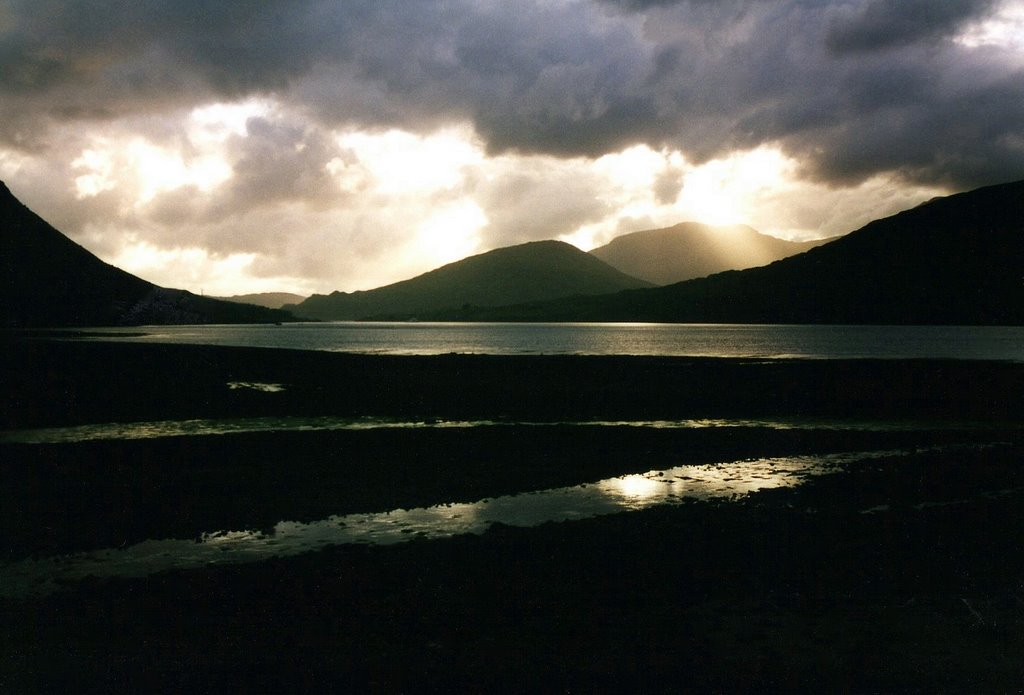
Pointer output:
952, 260
270, 300
528, 272
693, 250
48, 280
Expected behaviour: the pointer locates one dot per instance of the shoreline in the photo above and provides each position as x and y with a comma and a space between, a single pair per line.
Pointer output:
49, 383
896, 575
182, 487
782, 591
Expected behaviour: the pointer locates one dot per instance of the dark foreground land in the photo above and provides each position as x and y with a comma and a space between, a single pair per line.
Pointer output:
793, 589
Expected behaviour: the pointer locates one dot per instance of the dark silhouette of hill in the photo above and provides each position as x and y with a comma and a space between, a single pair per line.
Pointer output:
693, 250
48, 280
528, 272
270, 300
953, 260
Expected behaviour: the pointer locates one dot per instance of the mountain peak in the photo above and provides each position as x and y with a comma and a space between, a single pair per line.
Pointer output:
533, 271
691, 249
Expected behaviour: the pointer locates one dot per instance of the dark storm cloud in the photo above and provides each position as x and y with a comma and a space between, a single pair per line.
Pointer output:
882, 24
105, 59
850, 88
142, 45
279, 161
640, 4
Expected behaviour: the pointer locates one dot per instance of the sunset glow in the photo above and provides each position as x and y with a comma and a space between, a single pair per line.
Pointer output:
725, 191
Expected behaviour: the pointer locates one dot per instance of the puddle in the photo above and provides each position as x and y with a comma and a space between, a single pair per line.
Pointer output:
610, 496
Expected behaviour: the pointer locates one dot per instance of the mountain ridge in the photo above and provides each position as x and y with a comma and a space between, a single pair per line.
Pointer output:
956, 259
270, 300
46, 279
526, 272
953, 259
691, 250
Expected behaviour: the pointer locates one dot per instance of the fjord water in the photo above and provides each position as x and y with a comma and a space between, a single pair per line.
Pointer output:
1004, 343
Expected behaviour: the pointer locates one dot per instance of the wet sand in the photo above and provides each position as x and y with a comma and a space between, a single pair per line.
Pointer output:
786, 589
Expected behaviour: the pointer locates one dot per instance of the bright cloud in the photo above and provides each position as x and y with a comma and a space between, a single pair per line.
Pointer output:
156, 169
97, 166
724, 191
198, 270
1003, 29
450, 233
218, 121
403, 163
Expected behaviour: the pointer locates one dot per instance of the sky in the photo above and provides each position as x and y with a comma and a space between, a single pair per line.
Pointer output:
312, 146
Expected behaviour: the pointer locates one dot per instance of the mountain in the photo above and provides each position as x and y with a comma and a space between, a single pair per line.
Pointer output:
270, 300
529, 272
48, 280
953, 260
692, 250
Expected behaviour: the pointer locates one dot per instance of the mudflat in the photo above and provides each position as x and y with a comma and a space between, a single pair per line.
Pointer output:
898, 573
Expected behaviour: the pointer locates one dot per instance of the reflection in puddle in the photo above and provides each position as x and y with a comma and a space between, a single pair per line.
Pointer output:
637, 487
196, 427
610, 496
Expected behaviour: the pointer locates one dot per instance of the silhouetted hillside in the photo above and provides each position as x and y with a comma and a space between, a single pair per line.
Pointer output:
693, 250
953, 260
528, 272
48, 280
270, 300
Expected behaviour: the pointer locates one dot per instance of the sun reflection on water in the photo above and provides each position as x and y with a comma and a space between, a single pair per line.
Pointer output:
636, 490
611, 496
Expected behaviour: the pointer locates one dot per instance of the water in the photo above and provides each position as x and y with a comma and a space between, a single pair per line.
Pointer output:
110, 431
669, 486
626, 493
1005, 343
